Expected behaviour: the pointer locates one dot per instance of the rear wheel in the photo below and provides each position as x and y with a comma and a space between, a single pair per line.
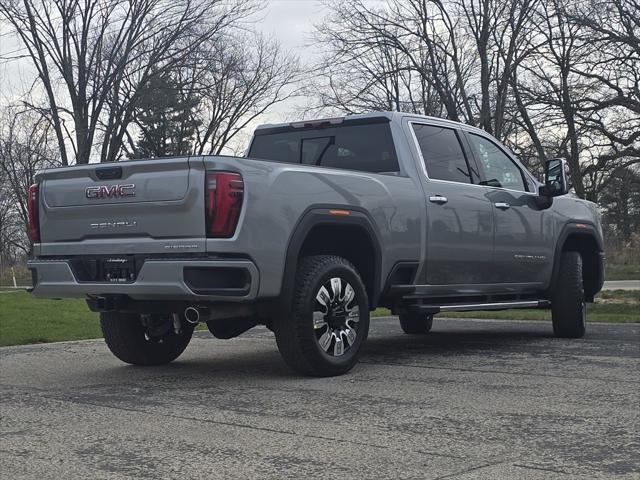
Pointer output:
416, 324
568, 306
144, 339
329, 318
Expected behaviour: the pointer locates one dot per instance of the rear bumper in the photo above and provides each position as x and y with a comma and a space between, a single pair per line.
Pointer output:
170, 279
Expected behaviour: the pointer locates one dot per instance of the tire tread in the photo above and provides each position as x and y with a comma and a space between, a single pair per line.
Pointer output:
568, 298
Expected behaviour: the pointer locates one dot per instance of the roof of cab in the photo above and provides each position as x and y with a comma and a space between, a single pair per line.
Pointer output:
390, 116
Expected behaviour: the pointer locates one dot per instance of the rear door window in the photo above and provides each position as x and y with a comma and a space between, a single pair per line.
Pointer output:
364, 147
442, 153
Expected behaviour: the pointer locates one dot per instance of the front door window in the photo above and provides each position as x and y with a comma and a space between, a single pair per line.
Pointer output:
499, 170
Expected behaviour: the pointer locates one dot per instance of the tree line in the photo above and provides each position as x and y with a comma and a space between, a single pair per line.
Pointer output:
119, 79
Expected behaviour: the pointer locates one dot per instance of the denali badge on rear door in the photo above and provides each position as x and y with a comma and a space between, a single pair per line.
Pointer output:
113, 191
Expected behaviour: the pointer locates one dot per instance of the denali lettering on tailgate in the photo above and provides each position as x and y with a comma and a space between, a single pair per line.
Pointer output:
114, 191
115, 224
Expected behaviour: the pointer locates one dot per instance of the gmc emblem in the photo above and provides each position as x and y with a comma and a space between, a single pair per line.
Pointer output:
114, 191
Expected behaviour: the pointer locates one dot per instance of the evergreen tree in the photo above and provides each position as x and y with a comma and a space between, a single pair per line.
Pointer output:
165, 119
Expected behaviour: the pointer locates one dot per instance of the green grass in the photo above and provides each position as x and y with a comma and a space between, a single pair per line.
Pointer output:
25, 319
622, 272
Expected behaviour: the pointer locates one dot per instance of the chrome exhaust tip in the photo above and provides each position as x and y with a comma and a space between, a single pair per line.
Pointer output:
192, 315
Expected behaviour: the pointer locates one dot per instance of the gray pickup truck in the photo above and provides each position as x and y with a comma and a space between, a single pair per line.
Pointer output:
320, 223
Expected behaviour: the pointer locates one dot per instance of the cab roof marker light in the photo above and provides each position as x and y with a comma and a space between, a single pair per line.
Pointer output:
339, 212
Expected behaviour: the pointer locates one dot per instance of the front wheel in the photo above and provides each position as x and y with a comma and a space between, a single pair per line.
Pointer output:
329, 318
144, 339
568, 307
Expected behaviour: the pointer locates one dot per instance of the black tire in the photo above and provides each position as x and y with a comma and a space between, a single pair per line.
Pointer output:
299, 335
568, 307
416, 324
129, 340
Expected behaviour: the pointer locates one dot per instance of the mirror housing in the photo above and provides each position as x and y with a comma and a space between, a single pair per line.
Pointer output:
555, 178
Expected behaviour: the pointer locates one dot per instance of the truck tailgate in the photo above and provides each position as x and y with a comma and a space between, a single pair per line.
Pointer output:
146, 206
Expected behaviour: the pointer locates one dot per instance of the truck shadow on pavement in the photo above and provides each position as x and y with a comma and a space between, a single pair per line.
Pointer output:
233, 358
469, 341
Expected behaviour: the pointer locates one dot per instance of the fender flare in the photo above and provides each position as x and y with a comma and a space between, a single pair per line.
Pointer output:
584, 228
316, 215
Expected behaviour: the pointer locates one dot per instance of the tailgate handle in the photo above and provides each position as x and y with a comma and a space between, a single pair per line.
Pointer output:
109, 173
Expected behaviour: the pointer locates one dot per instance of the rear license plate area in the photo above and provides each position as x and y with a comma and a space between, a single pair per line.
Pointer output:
118, 270
107, 269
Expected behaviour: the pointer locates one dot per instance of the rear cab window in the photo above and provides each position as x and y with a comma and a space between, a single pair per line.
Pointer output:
366, 147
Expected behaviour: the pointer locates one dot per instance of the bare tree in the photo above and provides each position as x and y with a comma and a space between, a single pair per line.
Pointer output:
612, 110
237, 80
620, 198
578, 93
362, 71
8, 234
381, 45
553, 88
25, 146
464, 52
93, 56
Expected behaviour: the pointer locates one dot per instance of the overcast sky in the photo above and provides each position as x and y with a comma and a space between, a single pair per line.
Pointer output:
291, 22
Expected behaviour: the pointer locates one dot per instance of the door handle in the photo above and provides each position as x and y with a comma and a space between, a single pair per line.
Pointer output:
439, 199
502, 205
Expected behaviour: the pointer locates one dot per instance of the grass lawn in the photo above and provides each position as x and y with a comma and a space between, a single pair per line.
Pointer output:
622, 272
25, 319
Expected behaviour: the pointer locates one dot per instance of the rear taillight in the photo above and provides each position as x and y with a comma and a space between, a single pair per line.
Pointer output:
33, 229
225, 191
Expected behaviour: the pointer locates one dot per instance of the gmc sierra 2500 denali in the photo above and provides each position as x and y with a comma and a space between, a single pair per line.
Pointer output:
322, 222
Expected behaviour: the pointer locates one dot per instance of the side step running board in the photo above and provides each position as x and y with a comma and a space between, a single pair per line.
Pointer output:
467, 307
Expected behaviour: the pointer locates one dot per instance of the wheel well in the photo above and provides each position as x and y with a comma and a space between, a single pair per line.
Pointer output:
351, 242
589, 250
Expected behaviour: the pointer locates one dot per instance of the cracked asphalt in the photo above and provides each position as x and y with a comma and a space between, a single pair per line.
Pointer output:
472, 400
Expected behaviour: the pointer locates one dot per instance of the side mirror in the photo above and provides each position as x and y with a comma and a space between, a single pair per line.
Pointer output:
555, 178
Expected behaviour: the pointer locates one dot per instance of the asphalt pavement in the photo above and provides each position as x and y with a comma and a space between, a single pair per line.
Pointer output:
472, 400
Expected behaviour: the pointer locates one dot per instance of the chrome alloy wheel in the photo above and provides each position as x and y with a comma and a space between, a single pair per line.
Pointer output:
335, 316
